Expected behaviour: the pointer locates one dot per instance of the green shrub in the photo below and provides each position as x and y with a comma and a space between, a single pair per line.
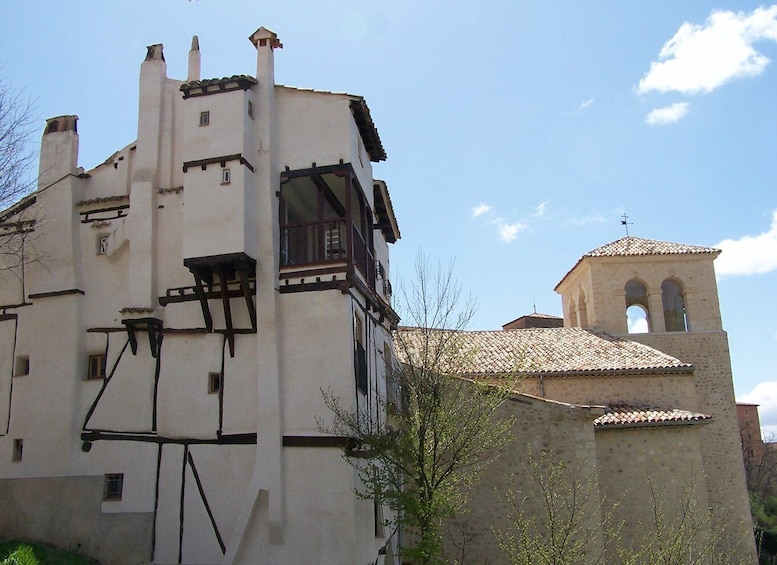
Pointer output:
22, 555
14, 552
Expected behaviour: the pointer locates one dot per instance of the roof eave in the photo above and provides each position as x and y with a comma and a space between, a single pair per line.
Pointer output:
657, 424
367, 129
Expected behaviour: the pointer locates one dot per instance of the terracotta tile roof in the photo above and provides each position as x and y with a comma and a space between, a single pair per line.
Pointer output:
631, 415
549, 351
534, 320
631, 245
207, 86
384, 210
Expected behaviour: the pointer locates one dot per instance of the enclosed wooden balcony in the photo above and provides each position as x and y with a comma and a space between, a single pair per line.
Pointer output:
325, 228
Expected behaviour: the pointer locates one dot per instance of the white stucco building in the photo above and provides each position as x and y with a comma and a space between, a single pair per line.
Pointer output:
162, 359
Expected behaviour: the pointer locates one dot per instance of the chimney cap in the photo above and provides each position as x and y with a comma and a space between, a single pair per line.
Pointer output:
61, 123
264, 36
155, 52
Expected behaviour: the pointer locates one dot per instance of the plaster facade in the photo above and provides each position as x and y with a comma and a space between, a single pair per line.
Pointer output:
162, 359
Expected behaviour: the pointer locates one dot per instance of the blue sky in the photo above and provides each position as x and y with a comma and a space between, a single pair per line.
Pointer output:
517, 132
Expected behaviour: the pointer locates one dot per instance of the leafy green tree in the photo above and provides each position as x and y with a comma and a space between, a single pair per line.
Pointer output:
423, 459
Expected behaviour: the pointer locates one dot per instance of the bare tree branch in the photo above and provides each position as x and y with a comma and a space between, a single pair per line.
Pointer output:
423, 461
16, 157
17, 222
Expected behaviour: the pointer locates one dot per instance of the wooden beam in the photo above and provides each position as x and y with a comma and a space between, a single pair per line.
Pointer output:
246, 286
227, 309
200, 292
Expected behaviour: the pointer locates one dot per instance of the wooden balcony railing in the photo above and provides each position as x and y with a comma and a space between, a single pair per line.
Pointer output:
316, 243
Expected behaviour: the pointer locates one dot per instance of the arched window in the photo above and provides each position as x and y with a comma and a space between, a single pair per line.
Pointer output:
572, 314
637, 310
582, 313
674, 306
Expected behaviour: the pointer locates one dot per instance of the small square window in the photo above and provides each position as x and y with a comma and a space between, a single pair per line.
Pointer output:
214, 383
114, 486
22, 366
102, 245
18, 447
96, 368
250, 109
204, 118
226, 176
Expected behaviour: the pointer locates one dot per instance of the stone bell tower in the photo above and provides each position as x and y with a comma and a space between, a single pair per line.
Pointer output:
672, 289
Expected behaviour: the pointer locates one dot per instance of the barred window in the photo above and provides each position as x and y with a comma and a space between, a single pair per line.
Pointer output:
114, 486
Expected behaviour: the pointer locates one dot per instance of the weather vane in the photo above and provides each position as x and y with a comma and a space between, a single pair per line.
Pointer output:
625, 222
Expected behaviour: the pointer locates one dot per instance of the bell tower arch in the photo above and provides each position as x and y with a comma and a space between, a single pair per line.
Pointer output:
672, 284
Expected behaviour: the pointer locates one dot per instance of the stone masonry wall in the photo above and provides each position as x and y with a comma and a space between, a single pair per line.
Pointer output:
65, 511
647, 469
543, 425
722, 454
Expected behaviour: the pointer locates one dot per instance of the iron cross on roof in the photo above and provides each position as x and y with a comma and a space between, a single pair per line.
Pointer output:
625, 222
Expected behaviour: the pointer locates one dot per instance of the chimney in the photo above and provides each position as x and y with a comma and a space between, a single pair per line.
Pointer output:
265, 42
141, 219
194, 60
58, 150
59, 188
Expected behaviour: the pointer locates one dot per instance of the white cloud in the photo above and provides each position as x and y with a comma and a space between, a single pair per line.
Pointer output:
765, 395
667, 115
596, 218
769, 433
636, 320
750, 254
509, 232
480, 209
639, 326
585, 104
700, 58
540, 209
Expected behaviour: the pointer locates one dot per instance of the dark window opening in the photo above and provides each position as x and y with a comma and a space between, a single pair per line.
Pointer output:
214, 383
21, 366
675, 316
204, 118
102, 245
377, 518
96, 368
114, 486
360, 354
18, 448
